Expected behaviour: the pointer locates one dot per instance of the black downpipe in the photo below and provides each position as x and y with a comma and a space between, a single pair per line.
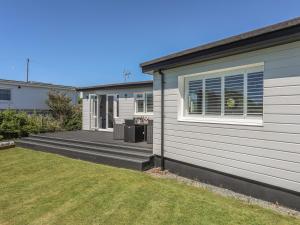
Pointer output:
162, 116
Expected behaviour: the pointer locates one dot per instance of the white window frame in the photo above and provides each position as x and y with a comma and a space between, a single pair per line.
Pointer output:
183, 114
145, 103
10, 90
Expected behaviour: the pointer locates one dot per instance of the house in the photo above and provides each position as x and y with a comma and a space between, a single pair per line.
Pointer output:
105, 104
30, 96
228, 112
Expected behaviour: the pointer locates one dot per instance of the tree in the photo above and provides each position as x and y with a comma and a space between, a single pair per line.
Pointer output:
60, 106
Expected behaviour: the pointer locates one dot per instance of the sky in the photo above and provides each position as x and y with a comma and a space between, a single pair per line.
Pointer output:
88, 42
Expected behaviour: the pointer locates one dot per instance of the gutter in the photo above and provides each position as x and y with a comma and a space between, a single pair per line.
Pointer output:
162, 122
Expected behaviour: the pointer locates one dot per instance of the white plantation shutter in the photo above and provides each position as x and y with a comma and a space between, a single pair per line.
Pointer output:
238, 95
255, 94
234, 95
195, 96
213, 96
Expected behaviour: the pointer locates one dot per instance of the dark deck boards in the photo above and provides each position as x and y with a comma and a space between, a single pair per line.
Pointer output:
95, 136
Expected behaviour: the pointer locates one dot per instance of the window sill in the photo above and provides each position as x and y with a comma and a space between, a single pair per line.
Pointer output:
143, 114
230, 121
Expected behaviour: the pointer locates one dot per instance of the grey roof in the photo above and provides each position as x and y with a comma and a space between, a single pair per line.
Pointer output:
291, 27
35, 84
117, 85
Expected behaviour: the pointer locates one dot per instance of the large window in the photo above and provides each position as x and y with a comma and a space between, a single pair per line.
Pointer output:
5, 95
222, 95
144, 103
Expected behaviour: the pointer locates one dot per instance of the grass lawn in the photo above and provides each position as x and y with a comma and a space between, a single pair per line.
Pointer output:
41, 188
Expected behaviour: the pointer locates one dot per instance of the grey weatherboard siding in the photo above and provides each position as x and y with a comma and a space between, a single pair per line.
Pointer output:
270, 153
127, 110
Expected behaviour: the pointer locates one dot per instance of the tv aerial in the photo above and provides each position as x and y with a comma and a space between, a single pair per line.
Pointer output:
126, 75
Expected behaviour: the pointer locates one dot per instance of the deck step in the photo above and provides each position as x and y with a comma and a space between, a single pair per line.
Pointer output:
124, 161
110, 150
90, 143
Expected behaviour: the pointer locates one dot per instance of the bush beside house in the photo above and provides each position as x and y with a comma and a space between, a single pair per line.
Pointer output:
61, 108
63, 116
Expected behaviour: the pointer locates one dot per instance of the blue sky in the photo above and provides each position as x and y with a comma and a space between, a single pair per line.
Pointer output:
89, 42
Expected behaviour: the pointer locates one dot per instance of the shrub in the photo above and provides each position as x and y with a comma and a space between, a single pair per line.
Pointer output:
12, 124
74, 122
60, 106
63, 116
42, 124
15, 124
68, 115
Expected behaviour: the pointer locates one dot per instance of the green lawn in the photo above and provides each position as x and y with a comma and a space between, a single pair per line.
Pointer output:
41, 188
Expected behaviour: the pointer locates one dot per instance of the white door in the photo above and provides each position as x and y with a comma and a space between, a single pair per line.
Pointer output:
93, 111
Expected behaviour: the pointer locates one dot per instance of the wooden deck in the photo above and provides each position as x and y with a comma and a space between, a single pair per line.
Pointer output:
95, 136
94, 146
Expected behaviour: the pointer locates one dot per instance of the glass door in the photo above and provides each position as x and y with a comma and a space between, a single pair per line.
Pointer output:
110, 111
102, 113
93, 111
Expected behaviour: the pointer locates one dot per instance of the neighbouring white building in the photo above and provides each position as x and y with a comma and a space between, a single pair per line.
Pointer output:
30, 96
